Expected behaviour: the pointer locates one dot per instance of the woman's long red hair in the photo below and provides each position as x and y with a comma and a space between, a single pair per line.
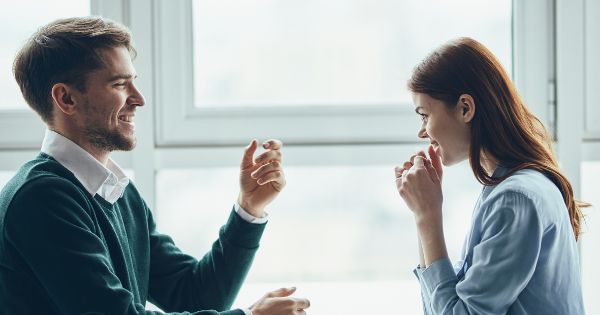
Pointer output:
502, 127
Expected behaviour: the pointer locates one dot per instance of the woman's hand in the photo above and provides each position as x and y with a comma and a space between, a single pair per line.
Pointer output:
419, 183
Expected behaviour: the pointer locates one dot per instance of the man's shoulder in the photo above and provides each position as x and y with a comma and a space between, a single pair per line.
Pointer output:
37, 177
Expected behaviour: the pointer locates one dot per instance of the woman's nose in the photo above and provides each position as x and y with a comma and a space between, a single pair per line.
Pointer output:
423, 133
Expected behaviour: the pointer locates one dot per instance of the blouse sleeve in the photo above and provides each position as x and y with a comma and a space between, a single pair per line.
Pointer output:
503, 261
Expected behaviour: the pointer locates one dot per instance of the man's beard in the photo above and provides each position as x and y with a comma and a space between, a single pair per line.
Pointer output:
108, 140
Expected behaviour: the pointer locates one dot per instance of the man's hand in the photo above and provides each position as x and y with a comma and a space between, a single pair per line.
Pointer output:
261, 179
279, 302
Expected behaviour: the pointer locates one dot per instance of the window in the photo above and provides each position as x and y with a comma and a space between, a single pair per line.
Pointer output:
277, 53
23, 18
590, 171
19, 20
338, 233
308, 72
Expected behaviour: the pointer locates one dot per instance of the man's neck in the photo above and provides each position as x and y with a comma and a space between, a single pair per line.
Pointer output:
99, 154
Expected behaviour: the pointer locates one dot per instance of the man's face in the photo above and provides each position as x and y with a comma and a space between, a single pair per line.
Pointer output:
109, 103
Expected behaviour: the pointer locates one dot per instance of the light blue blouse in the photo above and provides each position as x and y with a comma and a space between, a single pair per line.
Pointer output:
520, 257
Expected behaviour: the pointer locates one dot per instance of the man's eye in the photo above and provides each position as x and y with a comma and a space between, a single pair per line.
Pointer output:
423, 117
119, 84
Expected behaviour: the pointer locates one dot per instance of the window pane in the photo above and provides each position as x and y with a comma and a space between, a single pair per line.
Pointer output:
18, 21
341, 229
336, 52
590, 256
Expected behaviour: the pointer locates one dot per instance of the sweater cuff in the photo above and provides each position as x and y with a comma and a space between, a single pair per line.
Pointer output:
438, 272
233, 312
242, 233
248, 217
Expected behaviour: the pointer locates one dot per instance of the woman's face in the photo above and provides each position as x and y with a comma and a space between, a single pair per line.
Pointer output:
447, 129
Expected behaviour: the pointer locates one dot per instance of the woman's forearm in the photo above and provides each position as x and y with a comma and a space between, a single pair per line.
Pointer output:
421, 256
431, 236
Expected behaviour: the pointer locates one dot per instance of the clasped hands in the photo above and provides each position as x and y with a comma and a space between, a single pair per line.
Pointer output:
419, 183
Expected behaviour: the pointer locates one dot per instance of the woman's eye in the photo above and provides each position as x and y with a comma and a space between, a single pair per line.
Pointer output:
423, 117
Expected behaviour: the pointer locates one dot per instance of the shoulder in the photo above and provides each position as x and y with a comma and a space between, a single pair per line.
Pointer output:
527, 184
46, 196
527, 195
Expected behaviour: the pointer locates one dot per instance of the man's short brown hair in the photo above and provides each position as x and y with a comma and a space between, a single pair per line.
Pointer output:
64, 51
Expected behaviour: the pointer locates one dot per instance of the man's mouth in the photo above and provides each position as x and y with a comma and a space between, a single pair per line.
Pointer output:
126, 118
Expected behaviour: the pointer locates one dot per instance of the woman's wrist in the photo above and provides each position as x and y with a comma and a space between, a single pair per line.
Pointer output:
431, 236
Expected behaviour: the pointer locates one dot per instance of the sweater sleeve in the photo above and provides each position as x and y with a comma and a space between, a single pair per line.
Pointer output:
50, 223
181, 282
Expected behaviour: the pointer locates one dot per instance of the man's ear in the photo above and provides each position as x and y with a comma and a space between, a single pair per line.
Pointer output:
66, 98
466, 105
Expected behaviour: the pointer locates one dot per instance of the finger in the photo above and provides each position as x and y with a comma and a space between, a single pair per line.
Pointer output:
420, 153
436, 161
283, 292
269, 156
407, 165
275, 176
398, 171
261, 171
432, 172
302, 303
419, 161
248, 159
272, 144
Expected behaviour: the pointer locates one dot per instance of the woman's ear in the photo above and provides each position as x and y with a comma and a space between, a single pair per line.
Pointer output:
466, 105
65, 98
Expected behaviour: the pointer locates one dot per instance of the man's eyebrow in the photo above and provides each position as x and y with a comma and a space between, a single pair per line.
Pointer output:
122, 77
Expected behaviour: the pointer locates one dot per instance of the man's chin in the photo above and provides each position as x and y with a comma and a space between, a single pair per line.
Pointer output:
127, 145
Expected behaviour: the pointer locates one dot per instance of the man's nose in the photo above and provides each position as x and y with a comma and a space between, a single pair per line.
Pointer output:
137, 98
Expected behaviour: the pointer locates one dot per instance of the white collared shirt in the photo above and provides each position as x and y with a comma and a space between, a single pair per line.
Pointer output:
109, 182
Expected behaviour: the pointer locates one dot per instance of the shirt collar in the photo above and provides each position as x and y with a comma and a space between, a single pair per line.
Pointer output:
109, 182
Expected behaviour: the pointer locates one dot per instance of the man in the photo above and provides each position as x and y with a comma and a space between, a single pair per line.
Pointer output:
75, 235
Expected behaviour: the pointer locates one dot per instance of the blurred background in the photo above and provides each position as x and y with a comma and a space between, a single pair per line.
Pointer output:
328, 78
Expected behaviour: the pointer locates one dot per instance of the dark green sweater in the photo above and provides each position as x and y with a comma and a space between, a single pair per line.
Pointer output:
63, 251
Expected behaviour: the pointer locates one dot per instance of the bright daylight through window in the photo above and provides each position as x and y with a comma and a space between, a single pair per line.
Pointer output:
16, 26
337, 52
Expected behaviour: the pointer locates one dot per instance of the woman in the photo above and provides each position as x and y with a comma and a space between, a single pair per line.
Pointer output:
521, 255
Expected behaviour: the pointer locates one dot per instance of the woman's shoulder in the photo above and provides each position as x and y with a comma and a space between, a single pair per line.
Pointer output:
525, 187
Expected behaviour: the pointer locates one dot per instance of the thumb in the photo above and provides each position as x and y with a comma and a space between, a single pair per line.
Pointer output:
283, 292
436, 161
433, 174
248, 159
